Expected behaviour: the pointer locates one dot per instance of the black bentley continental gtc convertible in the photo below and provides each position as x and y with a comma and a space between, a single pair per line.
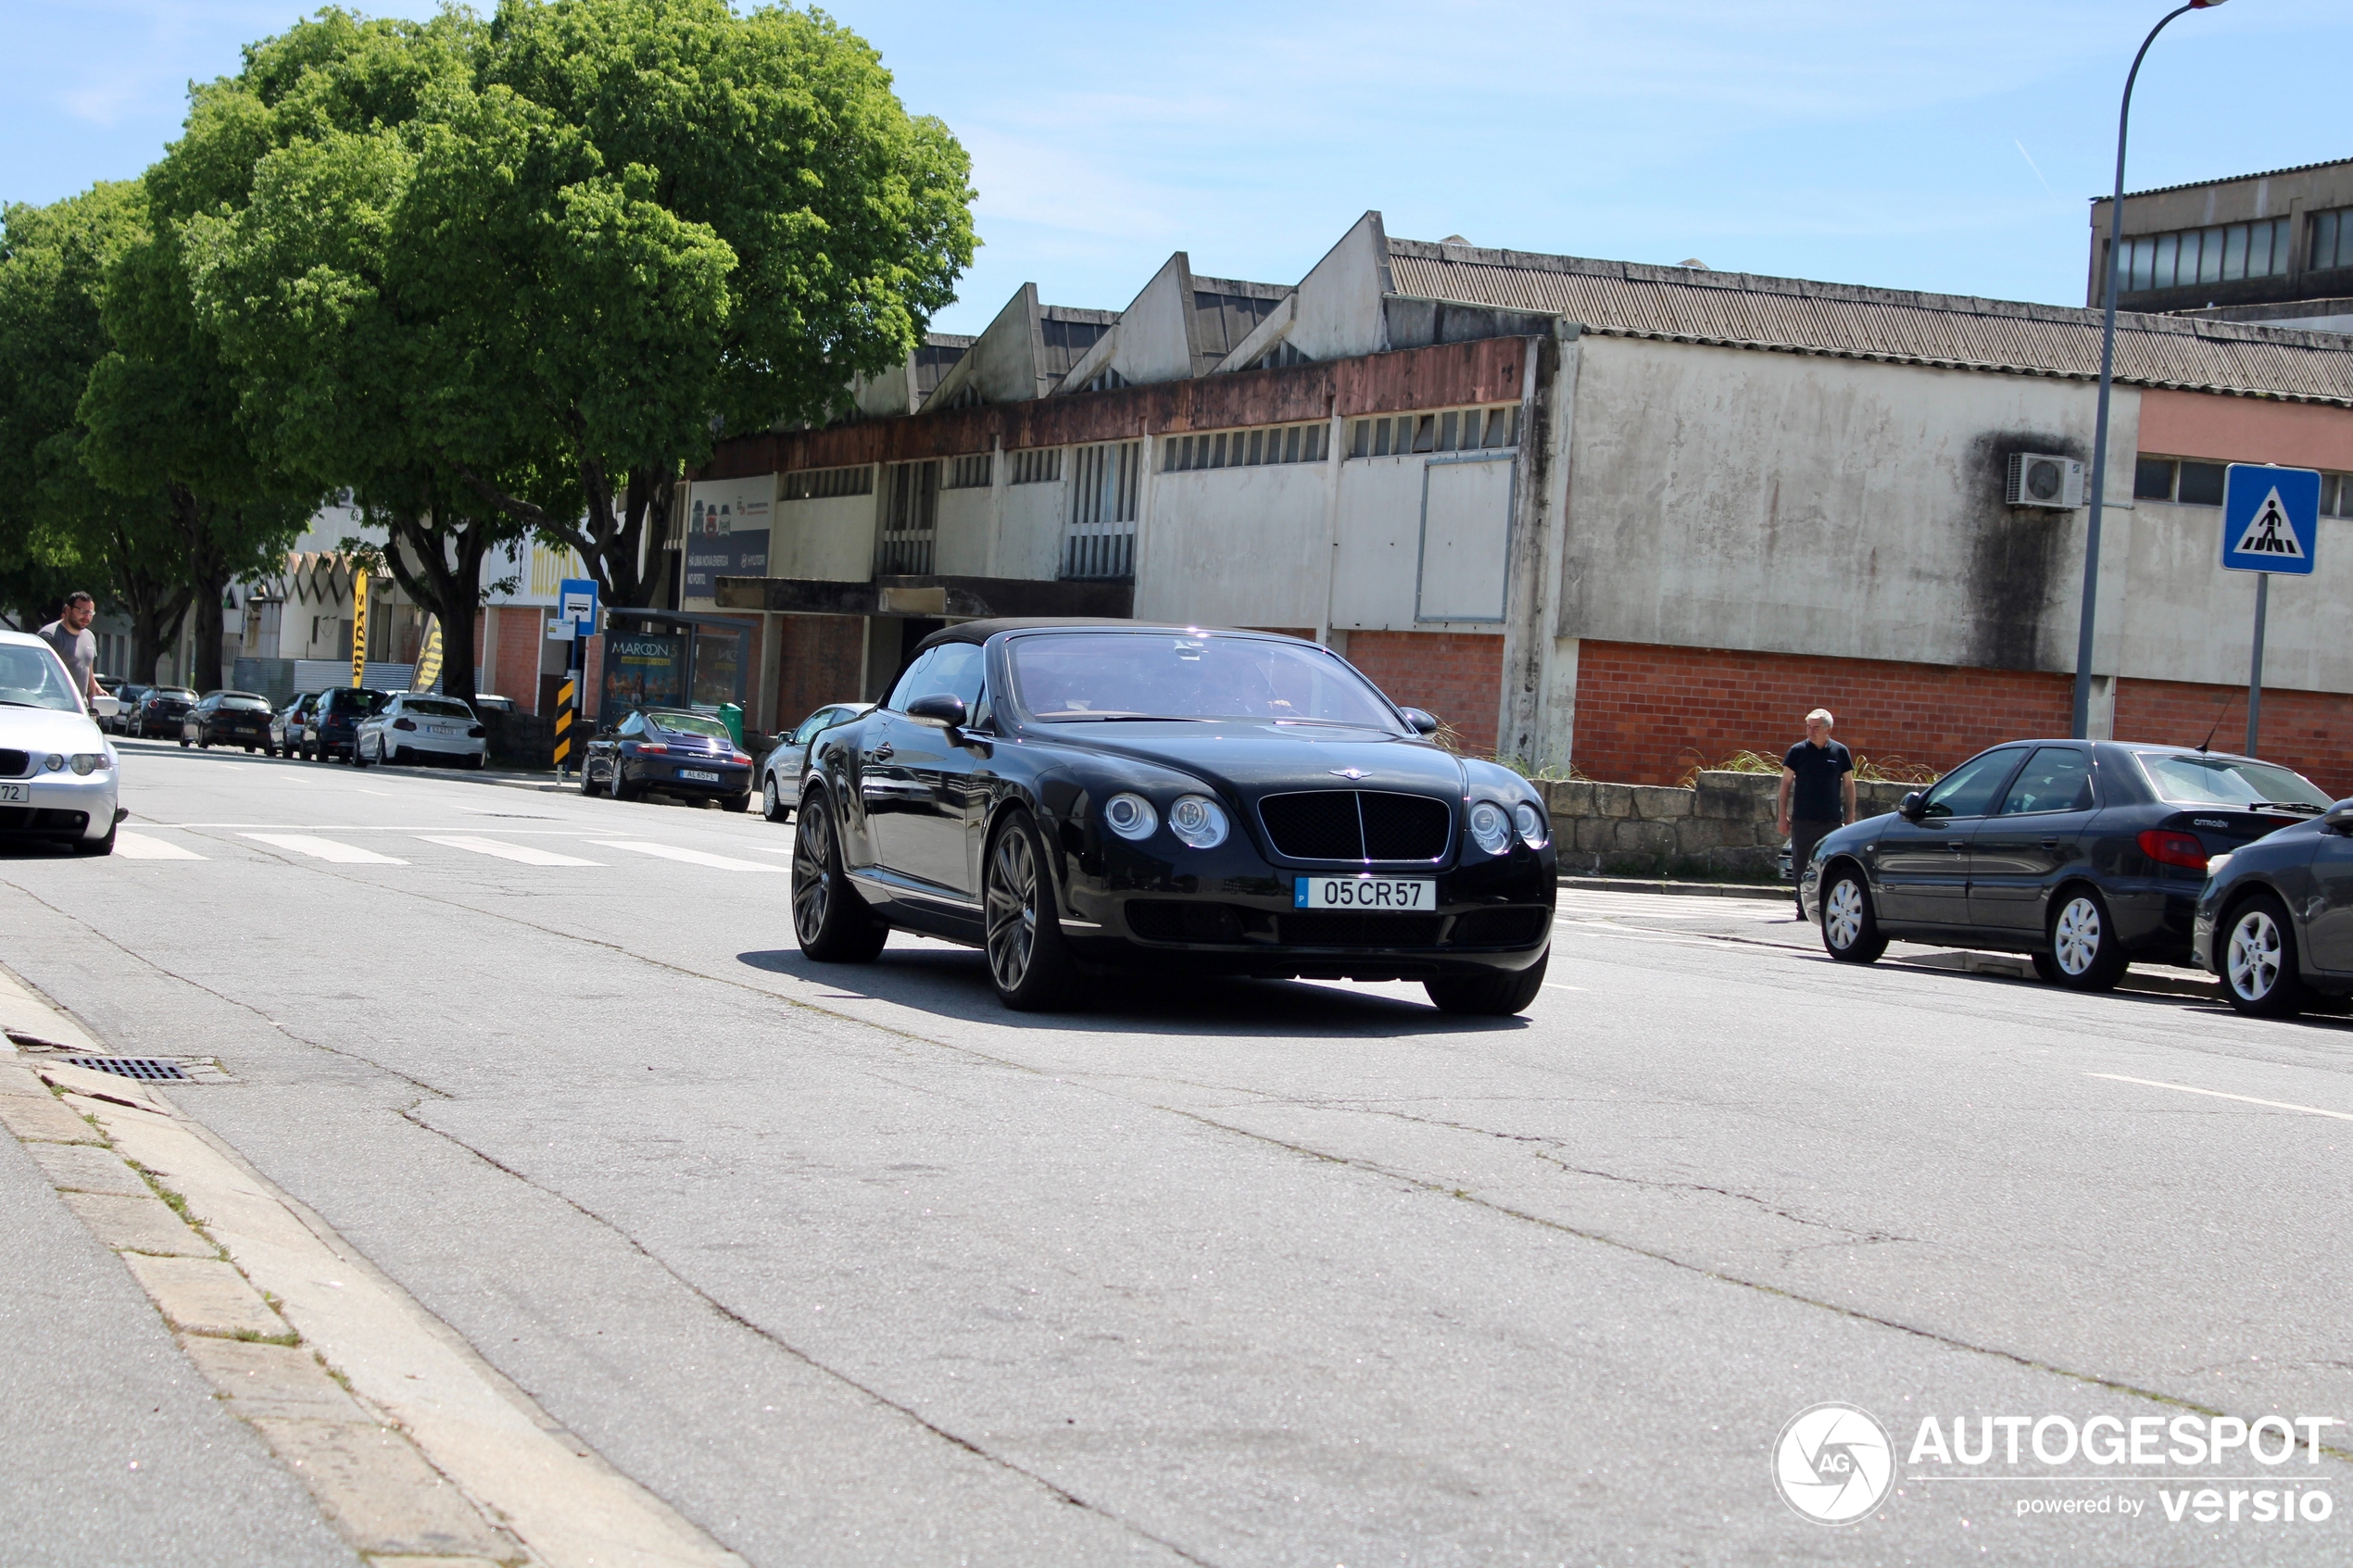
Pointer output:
1080, 797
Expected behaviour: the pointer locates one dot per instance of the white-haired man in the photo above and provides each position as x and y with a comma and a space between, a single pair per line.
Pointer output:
1818, 792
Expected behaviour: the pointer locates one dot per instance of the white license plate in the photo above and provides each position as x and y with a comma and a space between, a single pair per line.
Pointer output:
1364, 893
18, 794
697, 774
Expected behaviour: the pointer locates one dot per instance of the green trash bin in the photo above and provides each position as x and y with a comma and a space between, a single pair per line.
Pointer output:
732, 715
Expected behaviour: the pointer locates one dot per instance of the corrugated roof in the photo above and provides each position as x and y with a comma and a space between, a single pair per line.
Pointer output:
1740, 310
2224, 179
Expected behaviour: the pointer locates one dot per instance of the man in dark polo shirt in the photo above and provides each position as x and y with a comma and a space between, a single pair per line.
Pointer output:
1818, 792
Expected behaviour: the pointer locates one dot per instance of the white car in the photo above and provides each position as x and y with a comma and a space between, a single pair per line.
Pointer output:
421, 727
58, 772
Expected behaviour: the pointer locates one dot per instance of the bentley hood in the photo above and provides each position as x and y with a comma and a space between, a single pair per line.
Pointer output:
1249, 758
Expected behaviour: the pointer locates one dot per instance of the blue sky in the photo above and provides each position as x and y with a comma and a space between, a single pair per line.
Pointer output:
1908, 143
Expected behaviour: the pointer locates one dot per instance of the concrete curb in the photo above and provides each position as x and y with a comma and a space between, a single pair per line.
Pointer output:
423, 1451
2016, 966
1777, 894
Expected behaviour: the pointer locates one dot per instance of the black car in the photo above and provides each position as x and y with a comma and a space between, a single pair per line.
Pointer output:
160, 711
668, 751
332, 728
1079, 797
788, 759
2275, 920
2088, 855
227, 718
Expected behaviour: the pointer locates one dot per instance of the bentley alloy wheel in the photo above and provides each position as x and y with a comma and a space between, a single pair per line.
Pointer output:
830, 920
1027, 962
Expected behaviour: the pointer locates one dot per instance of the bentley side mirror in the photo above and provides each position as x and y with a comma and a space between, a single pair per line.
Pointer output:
941, 709
1914, 806
1424, 723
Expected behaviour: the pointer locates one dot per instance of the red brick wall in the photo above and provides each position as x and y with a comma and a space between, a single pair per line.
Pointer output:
2310, 731
820, 657
515, 670
1458, 676
1645, 714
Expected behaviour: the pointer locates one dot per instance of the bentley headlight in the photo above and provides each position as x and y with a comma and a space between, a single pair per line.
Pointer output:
1130, 816
1491, 827
1530, 823
1198, 820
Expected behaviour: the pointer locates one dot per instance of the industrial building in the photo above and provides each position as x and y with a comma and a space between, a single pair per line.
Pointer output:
1620, 516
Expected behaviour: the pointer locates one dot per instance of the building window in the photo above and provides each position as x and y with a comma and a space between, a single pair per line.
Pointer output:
2336, 494
2223, 254
1042, 465
2169, 479
1099, 540
1246, 448
2332, 240
910, 515
972, 472
820, 485
1453, 430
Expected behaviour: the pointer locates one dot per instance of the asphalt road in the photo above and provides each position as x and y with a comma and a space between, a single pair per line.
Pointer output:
850, 1266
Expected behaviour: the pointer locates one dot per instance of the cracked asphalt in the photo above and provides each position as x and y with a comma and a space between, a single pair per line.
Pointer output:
849, 1266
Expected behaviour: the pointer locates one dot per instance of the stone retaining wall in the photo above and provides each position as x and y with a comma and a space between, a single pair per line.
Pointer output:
1721, 828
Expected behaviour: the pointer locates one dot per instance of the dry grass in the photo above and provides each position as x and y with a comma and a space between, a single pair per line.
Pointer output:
1886, 769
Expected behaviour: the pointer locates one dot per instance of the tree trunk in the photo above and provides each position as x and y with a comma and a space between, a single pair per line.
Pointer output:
155, 610
441, 569
209, 576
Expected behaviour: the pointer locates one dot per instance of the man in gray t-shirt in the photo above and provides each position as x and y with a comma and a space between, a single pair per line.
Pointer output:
77, 644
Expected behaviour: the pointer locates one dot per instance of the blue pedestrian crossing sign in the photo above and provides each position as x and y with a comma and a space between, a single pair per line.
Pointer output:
2270, 519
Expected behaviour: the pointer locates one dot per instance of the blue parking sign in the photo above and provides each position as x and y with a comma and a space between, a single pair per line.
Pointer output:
2270, 519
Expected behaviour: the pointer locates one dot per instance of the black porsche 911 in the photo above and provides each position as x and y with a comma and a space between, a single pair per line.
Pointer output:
2087, 855
1079, 797
2275, 920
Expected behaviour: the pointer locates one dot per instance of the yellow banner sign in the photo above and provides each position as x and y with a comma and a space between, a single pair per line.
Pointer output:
358, 625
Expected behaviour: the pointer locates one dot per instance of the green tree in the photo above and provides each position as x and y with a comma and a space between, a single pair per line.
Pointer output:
552, 275
60, 530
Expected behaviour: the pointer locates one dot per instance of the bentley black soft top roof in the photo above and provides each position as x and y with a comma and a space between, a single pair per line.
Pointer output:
981, 630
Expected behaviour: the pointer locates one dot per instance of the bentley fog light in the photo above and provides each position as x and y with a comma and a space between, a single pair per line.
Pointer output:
1491, 827
1130, 816
1198, 820
1530, 823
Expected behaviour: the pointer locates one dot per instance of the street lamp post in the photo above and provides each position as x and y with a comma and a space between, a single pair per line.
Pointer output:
2108, 375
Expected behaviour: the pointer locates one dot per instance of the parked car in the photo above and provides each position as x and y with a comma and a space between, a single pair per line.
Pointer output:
2275, 920
332, 728
286, 725
2088, 855
227, 718
128, 698
1170, 799
668, 751
160, 712
57, 774
490, 702
788, 759
411, 727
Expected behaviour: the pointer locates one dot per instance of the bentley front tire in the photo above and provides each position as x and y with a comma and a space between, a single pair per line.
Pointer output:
1489, 995
829, 919
1028, 961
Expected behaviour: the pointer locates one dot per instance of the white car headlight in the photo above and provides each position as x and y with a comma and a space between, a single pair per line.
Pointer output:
1130, 816
1530, 823
1198, 820
1491, 827
88, 763
53, 761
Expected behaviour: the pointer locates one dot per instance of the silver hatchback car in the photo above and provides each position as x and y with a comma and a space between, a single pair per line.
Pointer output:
421, 727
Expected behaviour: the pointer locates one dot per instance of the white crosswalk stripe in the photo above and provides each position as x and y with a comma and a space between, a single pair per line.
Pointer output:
139, 846
522, 853
689, 857
324, 849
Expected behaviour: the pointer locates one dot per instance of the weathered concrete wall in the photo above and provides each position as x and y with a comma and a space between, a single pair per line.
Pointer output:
830, 540
959, 545
1030, 542
2185, 618
1235, 546
1722, 826
1720, 498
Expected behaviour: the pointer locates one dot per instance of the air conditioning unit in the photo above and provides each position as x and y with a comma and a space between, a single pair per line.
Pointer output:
2038, 479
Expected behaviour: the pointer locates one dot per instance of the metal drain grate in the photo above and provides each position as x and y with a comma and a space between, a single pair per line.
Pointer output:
143, 1067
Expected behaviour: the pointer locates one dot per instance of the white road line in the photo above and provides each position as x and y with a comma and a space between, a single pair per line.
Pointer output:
139, 846
325, 849
2217, 1094
518, 852
690, 856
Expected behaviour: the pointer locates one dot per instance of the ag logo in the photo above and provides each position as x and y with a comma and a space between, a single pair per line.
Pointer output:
1833, 1464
